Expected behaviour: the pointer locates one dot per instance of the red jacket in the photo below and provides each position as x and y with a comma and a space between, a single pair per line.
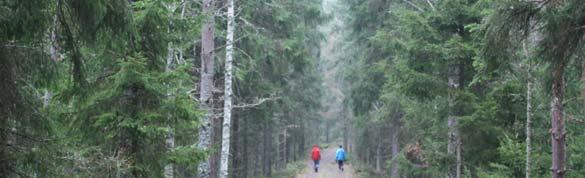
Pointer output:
316, 153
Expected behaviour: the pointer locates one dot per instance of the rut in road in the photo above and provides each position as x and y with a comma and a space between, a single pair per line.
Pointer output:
328, 167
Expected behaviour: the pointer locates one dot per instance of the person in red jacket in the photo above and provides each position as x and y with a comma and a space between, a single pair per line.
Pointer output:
316, 155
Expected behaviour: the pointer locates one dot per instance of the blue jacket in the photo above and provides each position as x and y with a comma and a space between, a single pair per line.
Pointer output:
340, 155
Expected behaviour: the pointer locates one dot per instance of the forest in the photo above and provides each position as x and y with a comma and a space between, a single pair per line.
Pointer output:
245, 88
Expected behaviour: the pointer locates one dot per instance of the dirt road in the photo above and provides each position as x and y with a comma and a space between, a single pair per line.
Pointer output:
328, 168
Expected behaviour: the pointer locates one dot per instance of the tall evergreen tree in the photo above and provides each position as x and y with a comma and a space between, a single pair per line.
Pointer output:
206, 82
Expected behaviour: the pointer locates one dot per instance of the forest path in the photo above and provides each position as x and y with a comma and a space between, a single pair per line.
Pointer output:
328, 167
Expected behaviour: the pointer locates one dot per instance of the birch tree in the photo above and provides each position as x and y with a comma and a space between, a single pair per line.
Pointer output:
227, 106
529, 95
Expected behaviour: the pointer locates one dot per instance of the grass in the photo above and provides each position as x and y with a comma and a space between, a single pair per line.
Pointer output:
291, 170
364, 171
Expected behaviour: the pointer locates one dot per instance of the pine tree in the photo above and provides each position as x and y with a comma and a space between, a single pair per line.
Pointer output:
206, 83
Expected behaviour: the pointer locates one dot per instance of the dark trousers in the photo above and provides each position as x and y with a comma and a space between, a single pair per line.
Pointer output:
316, 165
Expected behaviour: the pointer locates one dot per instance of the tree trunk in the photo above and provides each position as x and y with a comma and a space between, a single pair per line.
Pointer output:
285, 149
170, 143
267, 150
345, 134
54, 45
379, 157
206, 84
122, 153
215, 157
227, 106
278, 151
290, 147
245, 155
72, 46
379, 152
4, 161
235, 145
258, 156
301, 140
368, 157
528, 123
529, 82
7, 99
327, 127
454, 144
395, 151
170, 138
557, 116
583, 80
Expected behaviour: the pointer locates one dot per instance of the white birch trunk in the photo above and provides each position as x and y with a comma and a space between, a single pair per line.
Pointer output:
529, 83
227, 108
206, 84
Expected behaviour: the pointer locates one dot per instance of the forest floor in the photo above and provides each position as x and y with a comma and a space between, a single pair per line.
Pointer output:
328, 167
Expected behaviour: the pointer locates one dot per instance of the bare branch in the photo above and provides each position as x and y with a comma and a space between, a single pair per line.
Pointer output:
258, 102
413, 5
431, 4
244, 52
377, 105
257, 29
236, 40
190, 94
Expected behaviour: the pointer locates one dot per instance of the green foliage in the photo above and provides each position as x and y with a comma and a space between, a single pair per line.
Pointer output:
90, 16
413, 45
277, 57
132, 109
119, 124
17, 18
123, 79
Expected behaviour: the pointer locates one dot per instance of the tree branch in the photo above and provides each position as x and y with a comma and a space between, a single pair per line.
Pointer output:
431, 4
413, 5
257, 29
258, 102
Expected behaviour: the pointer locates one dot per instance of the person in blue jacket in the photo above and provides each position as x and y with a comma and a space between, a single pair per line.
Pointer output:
340, 157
